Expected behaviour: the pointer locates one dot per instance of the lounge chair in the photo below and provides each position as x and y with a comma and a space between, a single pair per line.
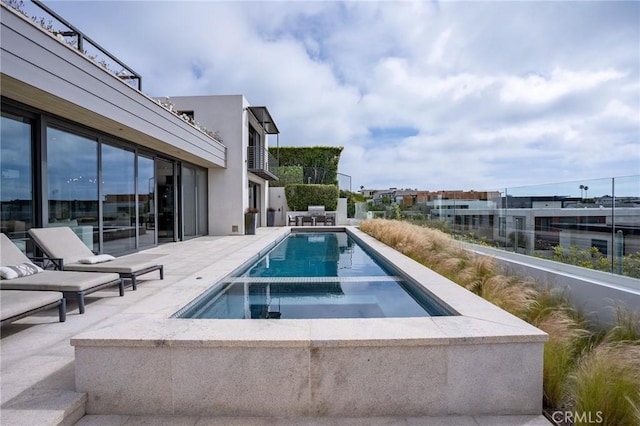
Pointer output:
69, 253
17, 304
71, 284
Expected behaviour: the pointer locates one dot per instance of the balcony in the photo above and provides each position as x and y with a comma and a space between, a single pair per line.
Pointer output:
261, 162
66, 33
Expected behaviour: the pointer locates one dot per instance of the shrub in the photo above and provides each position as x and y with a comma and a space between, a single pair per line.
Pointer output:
585, 369
287, 175
301, 196
607, 381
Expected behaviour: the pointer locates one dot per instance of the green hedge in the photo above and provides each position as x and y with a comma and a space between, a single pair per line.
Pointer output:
319, 163
287, 175
301, 196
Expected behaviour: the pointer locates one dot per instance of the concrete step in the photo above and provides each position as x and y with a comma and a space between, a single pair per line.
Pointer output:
123, 420
44, 407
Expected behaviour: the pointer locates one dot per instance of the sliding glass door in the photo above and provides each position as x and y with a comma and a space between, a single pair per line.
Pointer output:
146, 202
167, 200
16, 183
118, 199
72, 184
116, 196
194, 200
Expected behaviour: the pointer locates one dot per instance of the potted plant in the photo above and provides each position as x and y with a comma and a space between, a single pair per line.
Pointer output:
271, 216
251, 221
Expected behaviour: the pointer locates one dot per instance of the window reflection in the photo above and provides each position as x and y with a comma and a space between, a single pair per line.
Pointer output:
202, 201
118, 199
194, 200
16, 186
72, 184
189, 200
146, 202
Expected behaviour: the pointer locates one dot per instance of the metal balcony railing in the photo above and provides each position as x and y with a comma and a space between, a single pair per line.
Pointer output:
261, 162
76, 38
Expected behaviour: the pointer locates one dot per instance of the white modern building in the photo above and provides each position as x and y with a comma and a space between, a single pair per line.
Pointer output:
244, 182
81, 147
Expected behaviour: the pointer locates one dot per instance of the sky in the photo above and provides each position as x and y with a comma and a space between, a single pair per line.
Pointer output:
421, 94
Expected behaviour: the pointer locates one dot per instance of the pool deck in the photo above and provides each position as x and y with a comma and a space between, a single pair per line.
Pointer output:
38, 379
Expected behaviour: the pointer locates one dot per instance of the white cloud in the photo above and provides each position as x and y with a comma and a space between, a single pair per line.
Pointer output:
561, 82
496, 93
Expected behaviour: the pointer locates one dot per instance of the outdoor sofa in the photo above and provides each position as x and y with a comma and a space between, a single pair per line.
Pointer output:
71, 284
63, 247
17, 304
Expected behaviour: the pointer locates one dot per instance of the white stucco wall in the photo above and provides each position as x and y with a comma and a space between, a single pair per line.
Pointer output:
227, 187
278, 201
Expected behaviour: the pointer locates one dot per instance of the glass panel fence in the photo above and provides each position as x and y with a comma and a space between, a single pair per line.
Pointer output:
590, 223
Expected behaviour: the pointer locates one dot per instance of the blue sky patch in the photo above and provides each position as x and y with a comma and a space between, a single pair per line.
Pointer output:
393, 132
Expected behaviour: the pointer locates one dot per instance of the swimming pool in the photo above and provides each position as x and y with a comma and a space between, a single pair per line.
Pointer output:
315, 275
320, 367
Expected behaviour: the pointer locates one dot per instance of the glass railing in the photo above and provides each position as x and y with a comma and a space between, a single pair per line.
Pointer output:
591, 223
261, 162
311, 175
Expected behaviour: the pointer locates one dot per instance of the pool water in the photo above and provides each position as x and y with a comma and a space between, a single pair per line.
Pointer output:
314, 275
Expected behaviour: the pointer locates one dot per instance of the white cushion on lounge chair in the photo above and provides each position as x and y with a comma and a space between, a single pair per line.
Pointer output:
98, 258
20, 270
63, 243
60, 281
60, 243
74, 284
15, 302
122, 265
48, 280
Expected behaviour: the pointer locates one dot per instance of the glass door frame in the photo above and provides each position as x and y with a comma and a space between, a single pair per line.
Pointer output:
175, 200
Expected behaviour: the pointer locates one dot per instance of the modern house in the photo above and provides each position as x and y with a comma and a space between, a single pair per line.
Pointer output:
245, 131
81, 147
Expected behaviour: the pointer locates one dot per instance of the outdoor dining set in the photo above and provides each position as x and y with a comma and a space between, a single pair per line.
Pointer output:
315, 215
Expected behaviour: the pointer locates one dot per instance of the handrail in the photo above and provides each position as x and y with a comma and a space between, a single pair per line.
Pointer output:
82, 38
259, 158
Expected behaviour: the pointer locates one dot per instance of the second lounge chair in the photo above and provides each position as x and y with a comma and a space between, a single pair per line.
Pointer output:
74, 284
69, 253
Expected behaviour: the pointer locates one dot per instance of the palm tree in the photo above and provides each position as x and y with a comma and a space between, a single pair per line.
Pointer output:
586, 188
581, 193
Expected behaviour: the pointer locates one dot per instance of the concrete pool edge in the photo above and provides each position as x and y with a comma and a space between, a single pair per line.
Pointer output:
372, 367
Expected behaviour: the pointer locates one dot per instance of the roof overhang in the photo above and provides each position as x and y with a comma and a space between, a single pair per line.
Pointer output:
261, 114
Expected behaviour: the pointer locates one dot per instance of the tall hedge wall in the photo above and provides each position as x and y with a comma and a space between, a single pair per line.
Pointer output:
319, 163
301, 196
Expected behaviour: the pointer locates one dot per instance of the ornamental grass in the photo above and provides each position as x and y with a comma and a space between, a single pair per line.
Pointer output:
586, 369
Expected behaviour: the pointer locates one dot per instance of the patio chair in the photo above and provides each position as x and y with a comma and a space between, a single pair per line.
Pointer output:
308, 220
69, 253
292, 220
71, 284
320, 218
17, 304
